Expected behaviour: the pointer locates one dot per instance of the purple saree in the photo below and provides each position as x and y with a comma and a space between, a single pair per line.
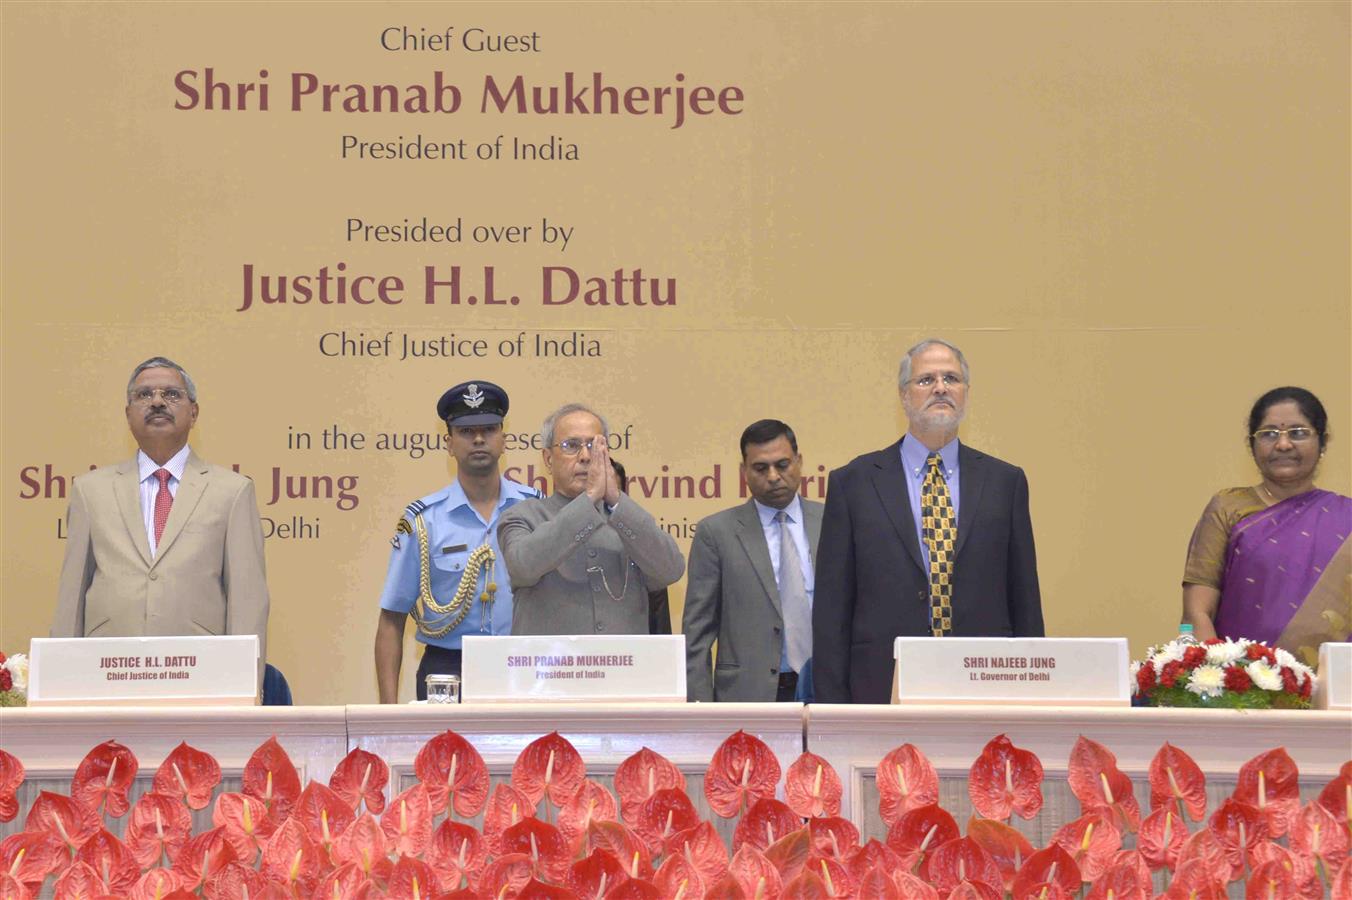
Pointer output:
1281, 559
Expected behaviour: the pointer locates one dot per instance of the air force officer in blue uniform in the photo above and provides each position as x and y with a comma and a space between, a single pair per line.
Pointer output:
446, 568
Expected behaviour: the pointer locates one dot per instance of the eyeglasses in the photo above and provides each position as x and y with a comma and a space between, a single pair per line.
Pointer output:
928, 381
146, 396
1272, 435
573, 446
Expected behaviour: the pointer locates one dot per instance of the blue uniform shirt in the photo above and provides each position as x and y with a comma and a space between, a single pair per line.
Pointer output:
454, 529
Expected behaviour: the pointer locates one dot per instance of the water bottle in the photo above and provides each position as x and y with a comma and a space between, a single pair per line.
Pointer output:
1185, 635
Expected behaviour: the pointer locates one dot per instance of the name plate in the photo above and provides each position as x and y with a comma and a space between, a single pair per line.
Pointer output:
140, 671
1033, 671
1333, 682
573, 667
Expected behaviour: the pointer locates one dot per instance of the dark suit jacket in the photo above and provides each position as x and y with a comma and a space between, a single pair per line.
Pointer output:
872, 585
731, 596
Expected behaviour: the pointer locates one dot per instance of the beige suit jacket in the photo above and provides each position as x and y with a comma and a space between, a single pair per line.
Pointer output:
207, 578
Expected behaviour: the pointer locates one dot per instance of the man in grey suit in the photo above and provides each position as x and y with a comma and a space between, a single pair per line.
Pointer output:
164, 543
751, 579
583, 559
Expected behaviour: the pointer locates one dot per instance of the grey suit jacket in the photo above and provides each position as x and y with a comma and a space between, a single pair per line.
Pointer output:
731, 595
207, 578
569, 561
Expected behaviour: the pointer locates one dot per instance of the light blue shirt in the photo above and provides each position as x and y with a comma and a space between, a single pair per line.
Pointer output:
454, 530
913, 456
150, 486
798, 533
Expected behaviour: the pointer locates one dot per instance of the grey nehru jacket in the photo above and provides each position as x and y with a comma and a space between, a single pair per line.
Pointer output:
549, 547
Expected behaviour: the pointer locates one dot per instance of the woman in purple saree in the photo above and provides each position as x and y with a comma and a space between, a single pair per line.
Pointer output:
1273, 562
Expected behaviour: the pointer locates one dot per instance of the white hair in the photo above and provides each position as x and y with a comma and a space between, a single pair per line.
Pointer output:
552, 420
905, 374
160, 362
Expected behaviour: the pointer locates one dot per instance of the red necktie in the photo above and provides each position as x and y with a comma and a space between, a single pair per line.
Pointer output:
163, 502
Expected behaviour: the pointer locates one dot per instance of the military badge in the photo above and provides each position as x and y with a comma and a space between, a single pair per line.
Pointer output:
474, 398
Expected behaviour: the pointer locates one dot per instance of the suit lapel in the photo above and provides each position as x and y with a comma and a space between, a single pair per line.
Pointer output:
971, 484
889, 480
812, 518
127, 487
752, 537
190, 491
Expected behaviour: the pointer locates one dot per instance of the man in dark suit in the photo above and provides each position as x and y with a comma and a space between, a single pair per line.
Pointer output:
751, 575
925, 537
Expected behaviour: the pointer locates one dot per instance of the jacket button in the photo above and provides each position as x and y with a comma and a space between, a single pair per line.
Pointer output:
600, 626
596, 588
154, 576
776, 631
591, 552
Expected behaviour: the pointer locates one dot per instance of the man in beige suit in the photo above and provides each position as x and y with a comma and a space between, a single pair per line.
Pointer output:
164, 543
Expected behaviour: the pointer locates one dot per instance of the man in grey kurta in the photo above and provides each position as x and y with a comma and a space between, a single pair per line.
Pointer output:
583, 560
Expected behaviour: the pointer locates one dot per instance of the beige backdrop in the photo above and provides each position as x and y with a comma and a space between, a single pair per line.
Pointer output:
1133, 217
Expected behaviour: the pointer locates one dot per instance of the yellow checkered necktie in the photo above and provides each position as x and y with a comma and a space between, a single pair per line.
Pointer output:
940, 530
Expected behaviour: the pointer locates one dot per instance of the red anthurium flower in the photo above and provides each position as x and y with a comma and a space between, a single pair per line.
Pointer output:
189, 774
1122, 881
1238, 826
634, 889
973, 890
591, 802
812, 787
13, 889
454, 774
1005, 779
959, 860
63, 819
642, 775
271, 777
507, 875
155, 885
920, 831
754, 873
726, 888
872, 855
617, 839
1316, 833
291, 858
703, 848
246, 824
765, 822
1336, 797
30, 856
1048, 890
411, 879
103, 778
876, 882
790, 853
1175, 778
324, 814
662, 815
1272, 881
912, 887
590, 878
361, 777
347, 882
678, 877
457, 851
362, 843
235, 882
1006, 846
1271, 782
806, 885
1098, 783
549, 766
408, 821
11, 776
838, 880
539, 890
834, 837
1052, 865
506, 807
159, 826
906, 780
1161, 837
1092, 841
545, 845
1204, 849
1302, 870
1341, 884
79, 882
1195, 881
202, 856
743, 769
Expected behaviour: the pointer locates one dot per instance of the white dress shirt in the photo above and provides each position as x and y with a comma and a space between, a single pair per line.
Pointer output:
150, 486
